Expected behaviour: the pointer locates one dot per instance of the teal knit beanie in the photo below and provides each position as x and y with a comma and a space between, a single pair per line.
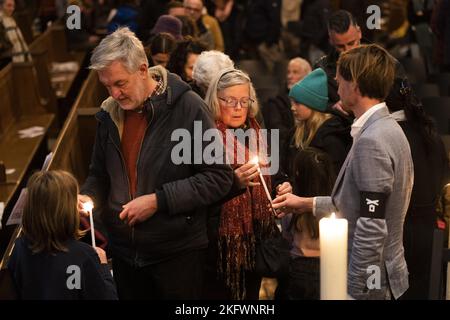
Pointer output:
312, 91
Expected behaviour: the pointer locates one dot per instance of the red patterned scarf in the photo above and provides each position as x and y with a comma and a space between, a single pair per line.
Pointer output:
242, 219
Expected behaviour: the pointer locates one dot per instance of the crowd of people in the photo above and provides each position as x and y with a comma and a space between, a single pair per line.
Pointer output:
352, 138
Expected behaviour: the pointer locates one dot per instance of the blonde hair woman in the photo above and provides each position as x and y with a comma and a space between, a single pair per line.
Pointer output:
48, 254
314, 127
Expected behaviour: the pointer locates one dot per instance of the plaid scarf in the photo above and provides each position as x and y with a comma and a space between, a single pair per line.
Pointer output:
20, 52
159, 88
243, 219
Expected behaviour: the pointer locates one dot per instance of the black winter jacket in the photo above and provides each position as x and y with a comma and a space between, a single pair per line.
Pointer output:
333, 137
183, 191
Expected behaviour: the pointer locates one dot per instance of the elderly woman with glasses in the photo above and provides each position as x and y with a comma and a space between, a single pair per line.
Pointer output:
247, 217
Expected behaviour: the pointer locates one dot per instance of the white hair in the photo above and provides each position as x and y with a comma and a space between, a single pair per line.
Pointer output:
208, 65
122, 45
304, 65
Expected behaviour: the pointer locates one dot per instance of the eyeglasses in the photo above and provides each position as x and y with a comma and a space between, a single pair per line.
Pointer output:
231, 102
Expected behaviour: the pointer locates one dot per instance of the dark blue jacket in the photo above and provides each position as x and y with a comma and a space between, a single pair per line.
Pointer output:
126, 16
46, 276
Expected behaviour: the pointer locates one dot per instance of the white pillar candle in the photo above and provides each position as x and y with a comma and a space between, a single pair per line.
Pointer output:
88, 206
333, 258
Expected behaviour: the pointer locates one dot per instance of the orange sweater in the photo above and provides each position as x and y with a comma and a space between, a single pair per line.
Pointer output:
133, 133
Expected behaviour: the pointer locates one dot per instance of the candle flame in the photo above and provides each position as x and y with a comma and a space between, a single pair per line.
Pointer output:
333, 215
88, 206
255, 160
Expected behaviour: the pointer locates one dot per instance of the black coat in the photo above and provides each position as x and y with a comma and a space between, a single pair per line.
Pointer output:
278, 115
431, 173
332, 137
263, 21
183, 191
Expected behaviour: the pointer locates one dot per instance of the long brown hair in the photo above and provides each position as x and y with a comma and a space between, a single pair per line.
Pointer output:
314, 175
50, 214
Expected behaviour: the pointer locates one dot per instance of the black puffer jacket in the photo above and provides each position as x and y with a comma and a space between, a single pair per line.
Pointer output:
183, 191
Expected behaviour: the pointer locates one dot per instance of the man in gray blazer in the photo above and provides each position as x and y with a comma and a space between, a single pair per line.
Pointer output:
374, 185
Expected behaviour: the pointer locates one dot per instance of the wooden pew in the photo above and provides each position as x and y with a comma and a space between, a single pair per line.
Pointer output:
73, 148
20, 108
49, 50
24, 21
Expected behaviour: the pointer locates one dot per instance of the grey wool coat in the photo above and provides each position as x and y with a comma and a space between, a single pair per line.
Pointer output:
372, 192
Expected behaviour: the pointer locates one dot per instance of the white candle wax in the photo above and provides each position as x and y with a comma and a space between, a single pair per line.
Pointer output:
255, 160
333, 258
88, 206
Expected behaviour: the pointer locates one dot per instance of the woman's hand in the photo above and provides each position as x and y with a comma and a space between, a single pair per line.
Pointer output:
245, 175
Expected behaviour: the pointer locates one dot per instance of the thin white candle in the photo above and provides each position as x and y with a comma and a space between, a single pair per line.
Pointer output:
333, 258
255, 160
88, 206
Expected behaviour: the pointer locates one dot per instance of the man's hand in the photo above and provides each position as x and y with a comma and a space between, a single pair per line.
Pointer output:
245, 175
284, 188
82, 199
139, 209
289, 202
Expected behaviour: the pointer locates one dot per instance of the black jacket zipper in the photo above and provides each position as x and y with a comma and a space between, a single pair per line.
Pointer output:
136, 168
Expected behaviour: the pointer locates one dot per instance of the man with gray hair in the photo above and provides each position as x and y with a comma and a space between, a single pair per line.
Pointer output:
154, 211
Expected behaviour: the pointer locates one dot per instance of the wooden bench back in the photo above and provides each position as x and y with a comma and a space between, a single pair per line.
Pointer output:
54, 41
24, 21
19, 94
41, 63
94, 92
73, 148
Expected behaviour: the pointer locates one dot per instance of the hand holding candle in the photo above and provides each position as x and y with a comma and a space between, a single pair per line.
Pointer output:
88, 206
255, 160
333, 258
246, 175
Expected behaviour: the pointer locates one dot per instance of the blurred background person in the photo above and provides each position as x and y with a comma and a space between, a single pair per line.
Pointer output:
277, 110
12, 44
184, 56
125, 15
160, 48
208, 65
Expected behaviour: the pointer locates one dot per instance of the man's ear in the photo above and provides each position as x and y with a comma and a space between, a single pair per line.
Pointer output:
143, 70
355, 88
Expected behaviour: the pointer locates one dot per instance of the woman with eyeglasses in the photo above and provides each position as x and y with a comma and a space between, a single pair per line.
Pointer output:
230, 274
